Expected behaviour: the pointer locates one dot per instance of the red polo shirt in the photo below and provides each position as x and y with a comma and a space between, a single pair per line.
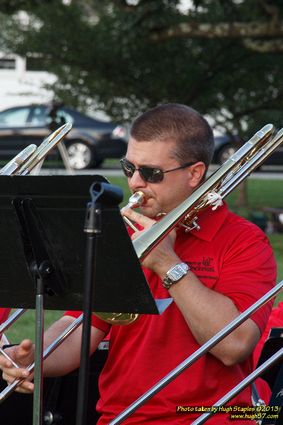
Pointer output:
4, 313
275, 321
229, 255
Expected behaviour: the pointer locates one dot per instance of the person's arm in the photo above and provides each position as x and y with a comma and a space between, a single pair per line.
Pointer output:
205, 310
62, 361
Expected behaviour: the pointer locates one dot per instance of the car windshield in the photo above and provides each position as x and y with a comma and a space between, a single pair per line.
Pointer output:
41, 116
38, 116
14, 117
32, 117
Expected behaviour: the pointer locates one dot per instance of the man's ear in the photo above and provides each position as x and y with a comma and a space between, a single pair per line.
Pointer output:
196, 173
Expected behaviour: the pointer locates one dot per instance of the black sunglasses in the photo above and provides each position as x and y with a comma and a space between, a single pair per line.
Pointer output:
148, 174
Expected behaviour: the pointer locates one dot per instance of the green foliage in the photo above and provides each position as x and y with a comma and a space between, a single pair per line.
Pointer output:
111, 55
25, 325
260, 194
12, 6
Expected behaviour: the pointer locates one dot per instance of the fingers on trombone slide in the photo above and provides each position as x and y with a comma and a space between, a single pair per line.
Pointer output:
12, 363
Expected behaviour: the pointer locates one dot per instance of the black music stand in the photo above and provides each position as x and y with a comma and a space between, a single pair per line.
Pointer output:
42, 221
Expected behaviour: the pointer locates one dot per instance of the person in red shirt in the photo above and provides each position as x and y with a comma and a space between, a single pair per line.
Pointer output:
212, 274
4, 314
275, 321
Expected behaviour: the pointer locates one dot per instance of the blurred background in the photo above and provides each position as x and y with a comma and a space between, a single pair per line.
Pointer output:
114, 59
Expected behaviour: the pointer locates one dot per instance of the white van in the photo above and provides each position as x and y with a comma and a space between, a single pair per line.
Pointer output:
21, 83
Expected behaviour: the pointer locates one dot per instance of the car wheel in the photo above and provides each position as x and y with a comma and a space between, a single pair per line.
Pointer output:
80, 155
225, 153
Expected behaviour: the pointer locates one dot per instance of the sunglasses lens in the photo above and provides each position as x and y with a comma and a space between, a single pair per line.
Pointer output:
151, 175
127, 168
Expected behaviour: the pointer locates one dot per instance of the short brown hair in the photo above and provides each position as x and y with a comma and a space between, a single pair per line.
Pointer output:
184, 125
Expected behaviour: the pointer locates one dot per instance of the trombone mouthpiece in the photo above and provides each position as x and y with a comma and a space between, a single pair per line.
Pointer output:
135, 200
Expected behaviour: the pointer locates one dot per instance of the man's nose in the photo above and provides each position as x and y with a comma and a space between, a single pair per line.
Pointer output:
136, 181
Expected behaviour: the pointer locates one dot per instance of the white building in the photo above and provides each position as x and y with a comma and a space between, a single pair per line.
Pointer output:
21, 83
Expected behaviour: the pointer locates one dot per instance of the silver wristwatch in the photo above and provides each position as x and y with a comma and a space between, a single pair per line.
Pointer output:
175, 274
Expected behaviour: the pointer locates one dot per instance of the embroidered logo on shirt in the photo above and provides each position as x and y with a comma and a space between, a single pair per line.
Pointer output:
206, 264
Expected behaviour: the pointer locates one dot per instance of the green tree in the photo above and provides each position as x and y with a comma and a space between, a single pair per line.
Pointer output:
222, 57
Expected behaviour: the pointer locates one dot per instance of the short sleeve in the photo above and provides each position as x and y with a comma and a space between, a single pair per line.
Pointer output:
95, 321
249, 270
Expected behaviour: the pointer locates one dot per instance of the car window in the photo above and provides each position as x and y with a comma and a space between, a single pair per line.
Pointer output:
38, 116
63, 116
14, 117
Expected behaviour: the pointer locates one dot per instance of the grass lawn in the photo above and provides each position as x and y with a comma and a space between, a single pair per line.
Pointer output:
261, 193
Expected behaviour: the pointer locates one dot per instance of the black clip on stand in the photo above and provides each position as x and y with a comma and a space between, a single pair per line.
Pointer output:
100, 193
46, 282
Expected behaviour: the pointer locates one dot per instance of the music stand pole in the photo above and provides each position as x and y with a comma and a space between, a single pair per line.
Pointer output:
41, 269
92, 229
105, 194
40, 273
38, 368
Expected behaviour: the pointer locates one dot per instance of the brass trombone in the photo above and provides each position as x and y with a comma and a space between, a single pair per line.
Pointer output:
220, 184
27, 159
212, 191
238, 167
22, 164
12, 166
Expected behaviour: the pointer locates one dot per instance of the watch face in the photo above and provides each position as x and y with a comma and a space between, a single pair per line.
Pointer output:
178, 271
175, 274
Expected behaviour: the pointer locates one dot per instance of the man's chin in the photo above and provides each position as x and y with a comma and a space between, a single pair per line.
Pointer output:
149, 212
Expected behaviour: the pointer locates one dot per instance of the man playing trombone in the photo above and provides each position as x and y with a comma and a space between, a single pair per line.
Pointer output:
212, 272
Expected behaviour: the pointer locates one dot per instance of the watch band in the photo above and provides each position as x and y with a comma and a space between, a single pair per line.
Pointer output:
174, 274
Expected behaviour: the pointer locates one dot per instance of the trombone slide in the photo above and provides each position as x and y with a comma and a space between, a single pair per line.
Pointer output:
197, 354
12, 166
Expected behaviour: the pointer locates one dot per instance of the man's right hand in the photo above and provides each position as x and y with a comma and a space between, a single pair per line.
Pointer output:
23, 356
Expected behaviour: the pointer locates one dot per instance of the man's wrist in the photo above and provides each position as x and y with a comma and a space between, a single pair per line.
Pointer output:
175, 274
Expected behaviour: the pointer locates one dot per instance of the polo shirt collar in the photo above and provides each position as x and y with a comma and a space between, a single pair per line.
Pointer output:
210, 222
